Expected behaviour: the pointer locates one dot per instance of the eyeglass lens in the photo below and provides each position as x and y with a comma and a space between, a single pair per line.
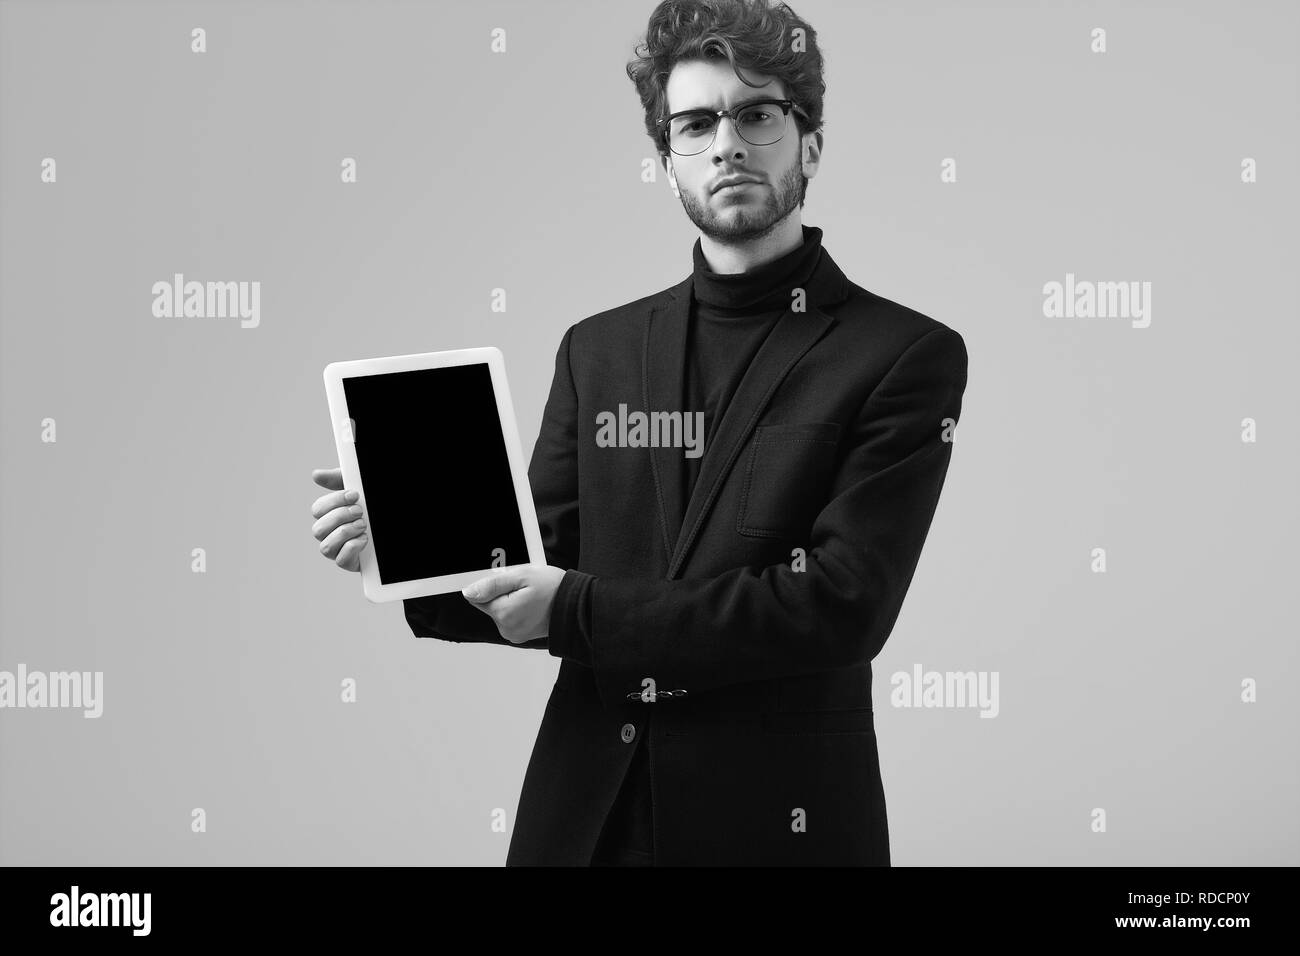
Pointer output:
759, 124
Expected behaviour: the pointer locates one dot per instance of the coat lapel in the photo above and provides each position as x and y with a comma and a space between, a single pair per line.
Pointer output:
663, 379
663, 370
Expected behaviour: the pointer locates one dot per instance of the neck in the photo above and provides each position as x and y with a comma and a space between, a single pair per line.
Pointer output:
730, 258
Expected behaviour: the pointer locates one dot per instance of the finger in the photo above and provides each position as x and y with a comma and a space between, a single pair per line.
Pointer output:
331, 500
328, 478
511, 614
333, 520
349, 556
335, 540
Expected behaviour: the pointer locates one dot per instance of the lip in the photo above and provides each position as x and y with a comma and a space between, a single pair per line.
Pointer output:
735, 181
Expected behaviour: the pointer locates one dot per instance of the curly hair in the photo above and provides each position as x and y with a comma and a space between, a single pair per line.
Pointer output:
749, 34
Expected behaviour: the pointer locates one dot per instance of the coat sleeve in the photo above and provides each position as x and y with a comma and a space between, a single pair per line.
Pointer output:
553, 478
754, 623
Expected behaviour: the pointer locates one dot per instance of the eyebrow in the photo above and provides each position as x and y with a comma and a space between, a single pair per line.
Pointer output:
714, 109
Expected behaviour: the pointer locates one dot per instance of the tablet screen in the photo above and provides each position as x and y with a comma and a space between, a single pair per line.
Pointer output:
439, 494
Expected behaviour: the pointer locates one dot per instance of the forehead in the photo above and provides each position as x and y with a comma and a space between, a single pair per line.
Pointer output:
712, 84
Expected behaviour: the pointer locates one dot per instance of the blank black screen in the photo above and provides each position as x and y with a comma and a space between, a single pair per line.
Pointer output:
439, 495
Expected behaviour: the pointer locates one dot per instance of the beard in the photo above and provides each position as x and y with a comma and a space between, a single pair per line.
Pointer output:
750, 219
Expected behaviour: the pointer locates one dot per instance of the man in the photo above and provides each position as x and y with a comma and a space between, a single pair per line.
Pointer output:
715, 616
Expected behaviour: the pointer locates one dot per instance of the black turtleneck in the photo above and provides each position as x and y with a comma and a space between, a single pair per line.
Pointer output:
731, 315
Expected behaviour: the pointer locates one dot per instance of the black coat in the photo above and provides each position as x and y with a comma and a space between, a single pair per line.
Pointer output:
764, 598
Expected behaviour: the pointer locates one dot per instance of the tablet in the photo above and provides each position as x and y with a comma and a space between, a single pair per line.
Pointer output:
429, 442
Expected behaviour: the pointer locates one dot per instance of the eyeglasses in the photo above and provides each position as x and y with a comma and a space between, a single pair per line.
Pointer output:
759, 123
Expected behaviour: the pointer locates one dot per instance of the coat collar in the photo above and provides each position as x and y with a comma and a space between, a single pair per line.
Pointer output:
662, 379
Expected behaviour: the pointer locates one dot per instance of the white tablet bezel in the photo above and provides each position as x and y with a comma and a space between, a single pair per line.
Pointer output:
341, 421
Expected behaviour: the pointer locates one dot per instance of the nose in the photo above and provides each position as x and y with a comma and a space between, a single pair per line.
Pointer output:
727, 143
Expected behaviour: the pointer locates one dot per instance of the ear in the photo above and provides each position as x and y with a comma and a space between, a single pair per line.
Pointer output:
672, 174
811, 147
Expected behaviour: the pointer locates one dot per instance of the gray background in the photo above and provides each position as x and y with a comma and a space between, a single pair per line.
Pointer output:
1118, 691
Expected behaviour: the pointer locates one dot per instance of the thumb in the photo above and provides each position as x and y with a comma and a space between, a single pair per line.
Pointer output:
331, 478
489, 588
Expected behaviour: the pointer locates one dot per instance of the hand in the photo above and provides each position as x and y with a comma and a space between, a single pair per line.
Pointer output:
340, 525
518, 598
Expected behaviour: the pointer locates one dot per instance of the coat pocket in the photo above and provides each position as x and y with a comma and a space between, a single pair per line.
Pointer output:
787, 475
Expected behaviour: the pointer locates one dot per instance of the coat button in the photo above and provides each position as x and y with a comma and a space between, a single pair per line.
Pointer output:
629, 731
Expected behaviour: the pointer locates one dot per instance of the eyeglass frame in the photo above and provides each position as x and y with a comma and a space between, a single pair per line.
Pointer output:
786, 107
